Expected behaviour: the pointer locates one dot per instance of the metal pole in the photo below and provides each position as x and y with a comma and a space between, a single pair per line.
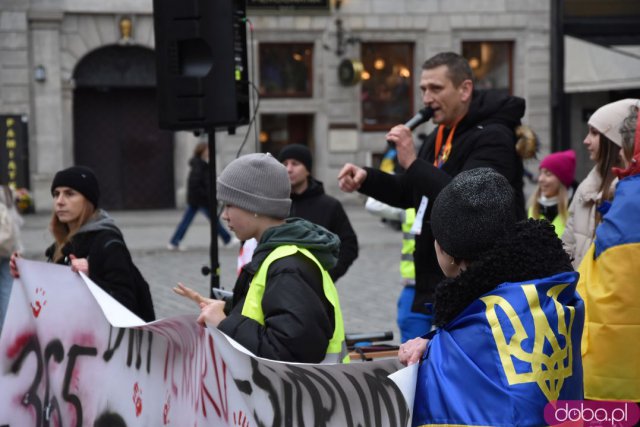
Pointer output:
213, 209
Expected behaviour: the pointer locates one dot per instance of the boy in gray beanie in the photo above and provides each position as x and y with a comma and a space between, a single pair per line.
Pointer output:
257, 183
285, 305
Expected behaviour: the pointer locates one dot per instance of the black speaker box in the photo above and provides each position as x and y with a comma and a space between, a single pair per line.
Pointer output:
201, 63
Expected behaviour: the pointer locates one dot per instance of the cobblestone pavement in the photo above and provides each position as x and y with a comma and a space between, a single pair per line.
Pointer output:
368, 292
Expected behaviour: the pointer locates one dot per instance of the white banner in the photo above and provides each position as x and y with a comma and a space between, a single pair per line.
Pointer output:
72, 356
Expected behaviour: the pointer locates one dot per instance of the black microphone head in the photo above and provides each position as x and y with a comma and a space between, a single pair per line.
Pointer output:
423, 116
427, 113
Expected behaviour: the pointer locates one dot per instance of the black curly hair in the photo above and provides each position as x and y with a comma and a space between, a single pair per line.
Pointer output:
531, 251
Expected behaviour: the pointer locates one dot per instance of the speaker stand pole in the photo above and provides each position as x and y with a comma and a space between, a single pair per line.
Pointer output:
213, 210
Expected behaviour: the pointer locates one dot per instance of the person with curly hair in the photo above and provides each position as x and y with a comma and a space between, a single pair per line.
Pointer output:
508, 317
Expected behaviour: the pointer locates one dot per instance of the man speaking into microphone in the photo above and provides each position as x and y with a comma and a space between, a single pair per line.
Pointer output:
473, 130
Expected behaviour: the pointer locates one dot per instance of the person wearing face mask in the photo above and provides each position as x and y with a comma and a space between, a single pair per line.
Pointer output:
474, 129
88, 240
595, 192
551, 199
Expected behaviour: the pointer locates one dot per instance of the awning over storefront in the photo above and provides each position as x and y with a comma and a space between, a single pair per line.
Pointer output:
591, 67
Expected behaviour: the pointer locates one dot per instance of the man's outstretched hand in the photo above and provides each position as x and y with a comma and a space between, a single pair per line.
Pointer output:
351, 178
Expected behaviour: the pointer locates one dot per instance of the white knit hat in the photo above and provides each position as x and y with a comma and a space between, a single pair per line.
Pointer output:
257, 183
608, 118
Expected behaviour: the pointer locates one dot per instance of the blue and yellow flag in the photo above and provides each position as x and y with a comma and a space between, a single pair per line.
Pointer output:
610, 286
389, 161
501, 360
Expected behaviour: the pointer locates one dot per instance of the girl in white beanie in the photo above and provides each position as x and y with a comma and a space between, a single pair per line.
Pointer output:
596, 191
609, 285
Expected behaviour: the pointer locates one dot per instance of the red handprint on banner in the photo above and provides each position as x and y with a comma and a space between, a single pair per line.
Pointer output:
137, 399
240, 419
37, 306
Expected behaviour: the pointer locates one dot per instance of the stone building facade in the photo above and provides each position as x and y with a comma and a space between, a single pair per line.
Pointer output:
73, 42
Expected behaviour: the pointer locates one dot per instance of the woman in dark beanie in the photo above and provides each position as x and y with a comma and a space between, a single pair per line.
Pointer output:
87, 239
508, 316
285, 305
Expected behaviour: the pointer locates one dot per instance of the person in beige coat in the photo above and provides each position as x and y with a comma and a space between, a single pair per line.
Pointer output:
594, 194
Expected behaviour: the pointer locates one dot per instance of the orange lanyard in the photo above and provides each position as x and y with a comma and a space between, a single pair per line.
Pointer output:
440, 158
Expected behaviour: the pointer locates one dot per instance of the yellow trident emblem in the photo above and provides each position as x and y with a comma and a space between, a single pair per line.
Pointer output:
548, 371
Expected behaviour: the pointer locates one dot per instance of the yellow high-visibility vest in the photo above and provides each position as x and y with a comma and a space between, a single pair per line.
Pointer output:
557, 222
337, 349
407, 267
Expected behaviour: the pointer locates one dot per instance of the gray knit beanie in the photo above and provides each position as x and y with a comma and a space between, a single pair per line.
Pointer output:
470, 213
257, 183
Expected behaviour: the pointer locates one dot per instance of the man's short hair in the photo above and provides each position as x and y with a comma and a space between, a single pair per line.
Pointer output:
458, 67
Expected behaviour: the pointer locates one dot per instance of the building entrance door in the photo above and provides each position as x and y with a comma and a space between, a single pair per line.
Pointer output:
116, 129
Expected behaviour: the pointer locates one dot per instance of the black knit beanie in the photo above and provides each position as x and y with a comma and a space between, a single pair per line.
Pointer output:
80, 178
297, 152
256, 183
472, 212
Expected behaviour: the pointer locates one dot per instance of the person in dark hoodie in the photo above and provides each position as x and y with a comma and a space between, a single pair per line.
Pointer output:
197, 198
509, 319
310, 202
87, 239
285, 306
475, 129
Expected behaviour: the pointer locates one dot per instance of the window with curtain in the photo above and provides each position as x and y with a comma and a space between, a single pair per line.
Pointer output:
387, 84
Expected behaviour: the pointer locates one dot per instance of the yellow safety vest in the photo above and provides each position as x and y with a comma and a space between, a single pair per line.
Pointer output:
407, 267
557, 222
337, 349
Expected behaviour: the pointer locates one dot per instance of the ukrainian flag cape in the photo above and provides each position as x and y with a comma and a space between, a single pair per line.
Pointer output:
501, 360
610, 286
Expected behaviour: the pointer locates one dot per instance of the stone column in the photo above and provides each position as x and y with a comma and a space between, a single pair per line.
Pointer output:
47, 143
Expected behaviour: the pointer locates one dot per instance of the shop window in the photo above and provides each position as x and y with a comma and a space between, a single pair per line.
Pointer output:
285, 70
492, 64
387, 84
278, 130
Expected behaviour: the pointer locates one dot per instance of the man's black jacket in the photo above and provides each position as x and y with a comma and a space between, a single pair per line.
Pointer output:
483, 138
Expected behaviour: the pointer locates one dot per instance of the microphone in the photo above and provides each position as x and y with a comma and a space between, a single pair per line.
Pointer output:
423, 115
